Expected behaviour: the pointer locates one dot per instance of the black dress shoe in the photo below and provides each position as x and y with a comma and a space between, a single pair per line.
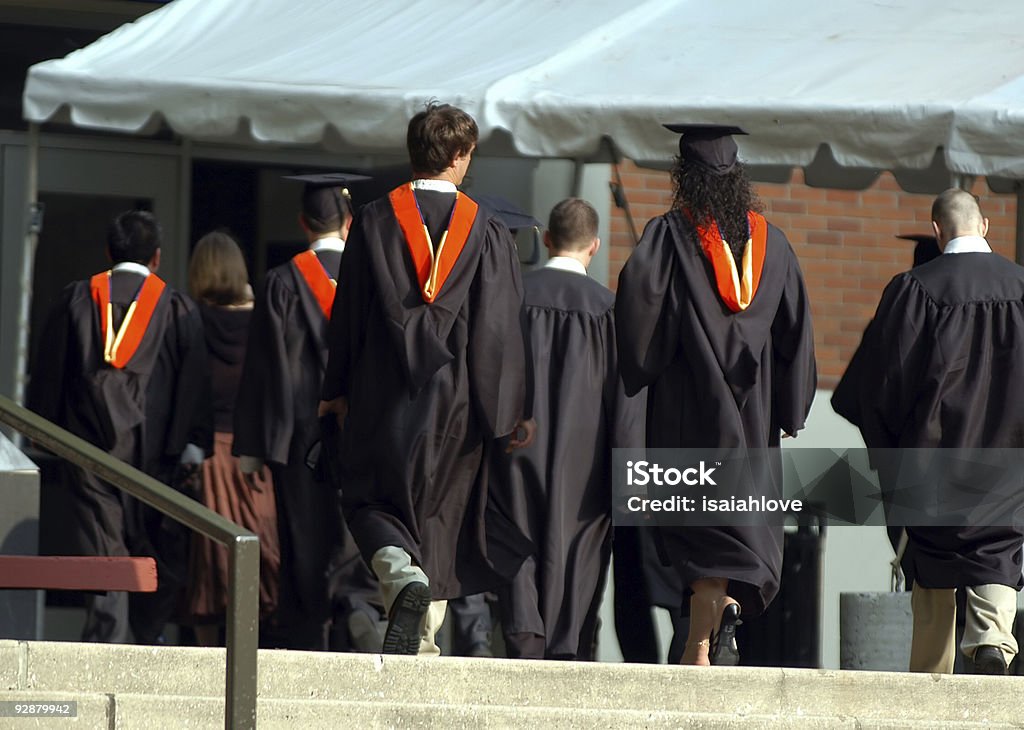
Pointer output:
406, 618
724, 652
989, 660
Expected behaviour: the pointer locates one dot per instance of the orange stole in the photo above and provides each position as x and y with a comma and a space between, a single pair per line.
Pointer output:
432, 266
736, 289
119, 347
319, 282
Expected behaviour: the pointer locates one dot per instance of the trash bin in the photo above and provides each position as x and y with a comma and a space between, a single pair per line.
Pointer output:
789, 632
874, 631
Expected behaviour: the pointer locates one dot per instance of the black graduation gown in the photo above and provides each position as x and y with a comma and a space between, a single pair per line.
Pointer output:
558, 490
144, 414
276, 420
716, 379
936, 367
429, 388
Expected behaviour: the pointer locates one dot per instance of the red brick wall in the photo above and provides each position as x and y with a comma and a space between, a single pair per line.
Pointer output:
845, 241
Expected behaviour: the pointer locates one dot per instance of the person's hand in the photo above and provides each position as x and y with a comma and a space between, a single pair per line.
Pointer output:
522, 436
188, 475
338, 406
253, 469
787, 435
188, 479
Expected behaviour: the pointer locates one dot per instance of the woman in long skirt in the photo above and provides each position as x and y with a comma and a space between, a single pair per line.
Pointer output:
219, 282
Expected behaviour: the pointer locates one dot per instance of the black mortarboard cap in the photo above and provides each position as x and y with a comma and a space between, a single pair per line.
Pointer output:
508, 212
325, 197
709, 145
927, 247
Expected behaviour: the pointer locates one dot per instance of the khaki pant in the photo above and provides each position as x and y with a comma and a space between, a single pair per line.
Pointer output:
395, 570
988, 622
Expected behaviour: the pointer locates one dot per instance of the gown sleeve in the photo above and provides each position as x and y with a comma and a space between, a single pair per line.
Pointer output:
346, 333
497, 353
879, 388
795, 374
191, 417
265, 410
627, 414
646, 322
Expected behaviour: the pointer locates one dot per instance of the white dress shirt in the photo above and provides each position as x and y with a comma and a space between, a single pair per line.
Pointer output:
328, 243
566, 263
441, 186
131, 266
967, 244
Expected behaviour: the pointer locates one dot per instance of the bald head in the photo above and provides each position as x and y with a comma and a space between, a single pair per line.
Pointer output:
956, 213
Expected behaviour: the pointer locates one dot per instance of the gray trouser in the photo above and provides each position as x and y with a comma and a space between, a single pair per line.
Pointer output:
395, 570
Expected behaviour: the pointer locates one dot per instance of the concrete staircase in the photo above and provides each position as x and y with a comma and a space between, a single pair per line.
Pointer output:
138, 688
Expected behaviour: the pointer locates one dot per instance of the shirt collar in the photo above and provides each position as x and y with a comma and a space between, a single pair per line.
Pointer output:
441, 186
328, 243
132, 267
967, 244
566, 263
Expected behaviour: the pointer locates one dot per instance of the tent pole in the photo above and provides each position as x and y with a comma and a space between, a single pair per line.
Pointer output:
964, 182
577, 178
35, 221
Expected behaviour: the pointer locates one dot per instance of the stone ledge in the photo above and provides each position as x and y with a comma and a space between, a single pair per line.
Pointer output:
141, 712
740, 692
147, 713
12, 664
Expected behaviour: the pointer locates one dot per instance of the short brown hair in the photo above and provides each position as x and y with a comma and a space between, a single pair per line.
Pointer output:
437, 135
572, 224
956, 212
217, 274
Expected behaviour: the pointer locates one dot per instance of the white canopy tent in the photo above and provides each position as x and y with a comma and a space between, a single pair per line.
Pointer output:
878, 84
930, 89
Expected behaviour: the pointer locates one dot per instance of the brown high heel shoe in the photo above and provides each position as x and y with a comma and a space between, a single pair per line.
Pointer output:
724, 652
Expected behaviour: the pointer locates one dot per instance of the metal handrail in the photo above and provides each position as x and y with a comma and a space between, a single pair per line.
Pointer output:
243, 548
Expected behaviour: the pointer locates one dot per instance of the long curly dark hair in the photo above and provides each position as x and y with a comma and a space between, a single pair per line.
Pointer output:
709, 197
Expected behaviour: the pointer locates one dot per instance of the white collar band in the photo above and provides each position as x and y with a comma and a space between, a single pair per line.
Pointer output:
134, 268
967, 244
566, 263
328, 243
441, 186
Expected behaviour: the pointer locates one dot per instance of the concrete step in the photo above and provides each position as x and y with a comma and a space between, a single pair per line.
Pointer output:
142, 712
448, 684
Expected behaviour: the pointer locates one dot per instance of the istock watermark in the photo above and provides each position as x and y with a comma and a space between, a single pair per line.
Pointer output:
643, 473
909, 487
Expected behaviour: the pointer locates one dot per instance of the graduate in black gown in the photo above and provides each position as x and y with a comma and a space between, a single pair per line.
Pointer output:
926, 248
936, 368
276, 423
470, 619
426, 371
559, 489
712, 315
124, 367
